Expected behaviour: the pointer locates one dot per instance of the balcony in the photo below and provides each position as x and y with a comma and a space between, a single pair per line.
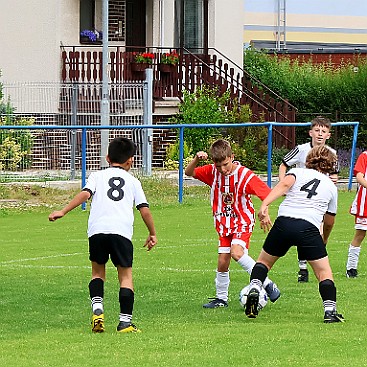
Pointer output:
82, 64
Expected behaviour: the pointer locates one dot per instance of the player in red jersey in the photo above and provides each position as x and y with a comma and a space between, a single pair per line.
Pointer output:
231, 188
359, 210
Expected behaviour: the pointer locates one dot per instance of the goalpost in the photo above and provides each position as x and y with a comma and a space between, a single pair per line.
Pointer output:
355, 124
269, 125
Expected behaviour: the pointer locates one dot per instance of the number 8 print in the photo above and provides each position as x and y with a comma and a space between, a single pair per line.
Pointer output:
116, 188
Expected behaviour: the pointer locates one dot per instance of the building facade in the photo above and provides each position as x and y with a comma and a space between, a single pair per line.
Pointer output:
33, 33
326, 21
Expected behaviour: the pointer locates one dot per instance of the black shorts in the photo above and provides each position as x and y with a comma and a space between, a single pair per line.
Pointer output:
103, 246
287, 232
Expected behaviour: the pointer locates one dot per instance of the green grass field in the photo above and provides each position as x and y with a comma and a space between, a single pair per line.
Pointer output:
45, 306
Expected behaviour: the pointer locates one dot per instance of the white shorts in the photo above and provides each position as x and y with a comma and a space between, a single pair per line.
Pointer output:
240, 238
361, 223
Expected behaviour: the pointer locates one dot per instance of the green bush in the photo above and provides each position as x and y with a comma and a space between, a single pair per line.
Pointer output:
172, 156
203, 106
15, 145
339, 93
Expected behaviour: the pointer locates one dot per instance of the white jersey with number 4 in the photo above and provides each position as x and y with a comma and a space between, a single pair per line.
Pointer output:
114, 192
312, 195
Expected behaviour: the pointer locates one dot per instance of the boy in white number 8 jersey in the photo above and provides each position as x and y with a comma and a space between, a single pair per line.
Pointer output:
110, 227
310, 197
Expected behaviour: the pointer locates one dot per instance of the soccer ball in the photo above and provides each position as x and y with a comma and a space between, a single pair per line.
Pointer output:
263, 297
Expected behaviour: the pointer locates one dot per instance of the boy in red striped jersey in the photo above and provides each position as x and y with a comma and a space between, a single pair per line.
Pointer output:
359, 210
231, 188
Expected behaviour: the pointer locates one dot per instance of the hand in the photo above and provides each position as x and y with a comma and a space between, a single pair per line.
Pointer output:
266, 224
150, 242
202, 156
263, 212
55, 215
265, 221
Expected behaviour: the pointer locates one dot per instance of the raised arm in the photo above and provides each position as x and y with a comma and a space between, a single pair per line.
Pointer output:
199, 156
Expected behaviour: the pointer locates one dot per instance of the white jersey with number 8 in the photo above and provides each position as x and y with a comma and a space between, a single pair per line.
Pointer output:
114, 192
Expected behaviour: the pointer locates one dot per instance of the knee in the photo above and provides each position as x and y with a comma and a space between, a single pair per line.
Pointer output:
237, 252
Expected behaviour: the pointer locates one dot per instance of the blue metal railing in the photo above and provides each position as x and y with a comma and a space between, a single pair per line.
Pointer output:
181, 129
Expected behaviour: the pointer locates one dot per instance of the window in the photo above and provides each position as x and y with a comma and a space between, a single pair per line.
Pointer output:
189, 25
87, 15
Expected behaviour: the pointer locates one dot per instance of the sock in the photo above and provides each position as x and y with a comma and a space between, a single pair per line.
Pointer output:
96, 295
126, 299
247, 263
222, 285
302, 264
353, 257
328, 294
258, 275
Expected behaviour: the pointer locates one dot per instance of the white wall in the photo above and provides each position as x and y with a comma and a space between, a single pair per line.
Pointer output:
226, 24
30, 38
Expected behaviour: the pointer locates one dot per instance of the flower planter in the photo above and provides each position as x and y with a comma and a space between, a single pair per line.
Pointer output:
139, 66
85, 40
166, 68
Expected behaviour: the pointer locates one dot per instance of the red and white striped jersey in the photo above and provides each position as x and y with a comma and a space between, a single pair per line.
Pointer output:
230, 196
359, 205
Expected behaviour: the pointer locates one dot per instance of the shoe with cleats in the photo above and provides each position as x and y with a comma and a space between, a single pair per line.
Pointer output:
98, 323
303, 276
333, 316
252, 303
127, 327
215, 303
272, 291
352, 273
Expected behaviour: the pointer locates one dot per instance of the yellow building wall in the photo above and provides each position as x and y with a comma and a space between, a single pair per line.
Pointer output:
306, 28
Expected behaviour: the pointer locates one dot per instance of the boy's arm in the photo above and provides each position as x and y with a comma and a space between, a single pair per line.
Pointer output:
76, 201
361, 180
199, 156
279, 190
282, 171
327, 226
148, 220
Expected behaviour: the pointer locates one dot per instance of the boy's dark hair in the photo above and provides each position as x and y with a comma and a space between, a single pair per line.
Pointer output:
321, 121
120, 150
220, 150
322, 159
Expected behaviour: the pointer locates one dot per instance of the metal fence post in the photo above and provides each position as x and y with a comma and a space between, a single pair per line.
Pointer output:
74, 121
147, 120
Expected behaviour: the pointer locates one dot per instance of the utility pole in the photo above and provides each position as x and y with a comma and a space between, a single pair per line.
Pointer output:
105, 103
281, 42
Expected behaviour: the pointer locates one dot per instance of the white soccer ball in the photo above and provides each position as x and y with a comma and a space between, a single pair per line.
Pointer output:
263, 298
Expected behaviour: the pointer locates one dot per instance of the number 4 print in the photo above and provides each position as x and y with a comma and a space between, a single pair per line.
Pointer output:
311, 187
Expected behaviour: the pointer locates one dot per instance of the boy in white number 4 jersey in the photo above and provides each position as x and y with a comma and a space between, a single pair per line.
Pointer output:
311, 198
110, 227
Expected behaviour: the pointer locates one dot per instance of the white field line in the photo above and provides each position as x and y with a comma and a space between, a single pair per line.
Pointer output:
40, 258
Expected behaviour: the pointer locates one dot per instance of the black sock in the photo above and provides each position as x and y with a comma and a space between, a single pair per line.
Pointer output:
96, 292
126, 298
259, 271
328, 294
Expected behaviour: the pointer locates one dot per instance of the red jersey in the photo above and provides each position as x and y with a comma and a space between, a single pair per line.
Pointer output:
359, 205
230, 196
